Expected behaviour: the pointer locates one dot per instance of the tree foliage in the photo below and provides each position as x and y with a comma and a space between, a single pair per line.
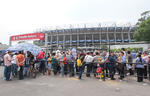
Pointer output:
143, 31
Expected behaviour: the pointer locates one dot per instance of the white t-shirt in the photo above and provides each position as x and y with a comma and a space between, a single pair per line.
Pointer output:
14, 60
145, 58
88, 58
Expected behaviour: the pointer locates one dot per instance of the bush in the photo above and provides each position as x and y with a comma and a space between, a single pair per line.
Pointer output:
129, 49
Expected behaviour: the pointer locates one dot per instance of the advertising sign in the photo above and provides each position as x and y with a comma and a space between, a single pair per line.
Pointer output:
31, 36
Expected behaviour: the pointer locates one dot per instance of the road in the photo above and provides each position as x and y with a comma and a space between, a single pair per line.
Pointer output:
65, 86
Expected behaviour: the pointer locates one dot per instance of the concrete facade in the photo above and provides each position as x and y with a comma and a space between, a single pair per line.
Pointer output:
88, 37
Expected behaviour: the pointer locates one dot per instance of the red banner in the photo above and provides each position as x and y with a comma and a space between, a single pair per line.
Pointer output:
40, 36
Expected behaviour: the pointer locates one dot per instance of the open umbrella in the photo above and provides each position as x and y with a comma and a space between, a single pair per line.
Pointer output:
26, 47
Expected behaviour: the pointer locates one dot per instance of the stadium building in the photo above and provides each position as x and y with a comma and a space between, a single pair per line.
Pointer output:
82, 38
89, 38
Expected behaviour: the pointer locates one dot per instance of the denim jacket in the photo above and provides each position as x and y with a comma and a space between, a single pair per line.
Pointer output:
139, 64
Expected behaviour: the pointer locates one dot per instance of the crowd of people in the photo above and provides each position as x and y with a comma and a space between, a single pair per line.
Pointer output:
98, 64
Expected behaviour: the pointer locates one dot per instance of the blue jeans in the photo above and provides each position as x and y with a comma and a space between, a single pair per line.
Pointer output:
8, 72
71, 68
42, 66
62, 69
21, 77
26, 71
88, 69
5, 71
94, 70
14, 69
111, 68
55, 65
81, 69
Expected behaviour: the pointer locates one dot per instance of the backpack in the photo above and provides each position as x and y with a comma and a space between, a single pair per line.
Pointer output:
79, 63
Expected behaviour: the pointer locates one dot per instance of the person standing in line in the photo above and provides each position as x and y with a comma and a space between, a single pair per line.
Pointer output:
61, 57
140, 68
27, 64
105, 57
122, 65
118, 64
54, 63
145, 57
41, 59
112, 65
14, 65
20, 63
7, 64
65, 62
96, 61
81, 68
49, 64
76, 64
130, 61
88, 61
71, 61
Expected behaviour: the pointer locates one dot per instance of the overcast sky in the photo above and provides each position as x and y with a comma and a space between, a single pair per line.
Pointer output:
26, 16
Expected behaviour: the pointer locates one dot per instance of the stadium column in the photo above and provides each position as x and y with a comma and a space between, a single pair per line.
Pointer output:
57, 38
100, 39
93, 41
122, 35
100, 34
107, 35
115, 33
70, 38
129, 38
77, 38
64, 39
85, 41
108, 39
51, 41
84, 32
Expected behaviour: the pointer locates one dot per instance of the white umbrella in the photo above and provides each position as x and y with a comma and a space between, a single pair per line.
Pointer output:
26, 47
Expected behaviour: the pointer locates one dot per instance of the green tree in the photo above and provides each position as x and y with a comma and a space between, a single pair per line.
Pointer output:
143, 17
143, 31
104, 47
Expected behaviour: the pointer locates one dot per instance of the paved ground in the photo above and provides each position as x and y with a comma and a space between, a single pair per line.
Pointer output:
65, 86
